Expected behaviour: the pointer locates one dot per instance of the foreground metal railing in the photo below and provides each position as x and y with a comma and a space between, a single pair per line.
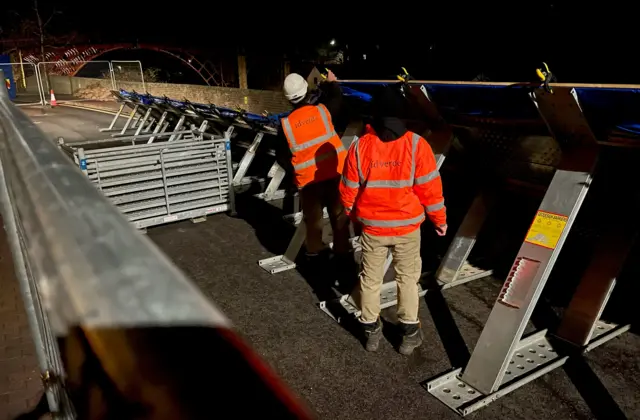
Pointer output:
119, 331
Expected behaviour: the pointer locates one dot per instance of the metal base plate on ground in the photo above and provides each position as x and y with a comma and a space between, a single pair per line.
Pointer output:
277, 264
345, 305
534, 357
280, 263
295, 218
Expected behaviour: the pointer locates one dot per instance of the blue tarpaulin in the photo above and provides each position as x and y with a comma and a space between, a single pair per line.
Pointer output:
606, 109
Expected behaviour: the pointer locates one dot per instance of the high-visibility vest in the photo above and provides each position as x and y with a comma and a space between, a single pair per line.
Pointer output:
318, 153
389, 185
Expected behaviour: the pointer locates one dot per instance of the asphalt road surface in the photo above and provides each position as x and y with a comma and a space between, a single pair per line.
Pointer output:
69, 123
324, 363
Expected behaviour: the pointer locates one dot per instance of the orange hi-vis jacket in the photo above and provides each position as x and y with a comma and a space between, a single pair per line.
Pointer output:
390, 185
318, 153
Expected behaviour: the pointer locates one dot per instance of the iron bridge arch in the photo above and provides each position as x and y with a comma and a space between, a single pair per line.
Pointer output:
70, 60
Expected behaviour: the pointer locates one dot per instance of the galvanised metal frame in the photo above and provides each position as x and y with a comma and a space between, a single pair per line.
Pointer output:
156, 115
503, 360
161, 182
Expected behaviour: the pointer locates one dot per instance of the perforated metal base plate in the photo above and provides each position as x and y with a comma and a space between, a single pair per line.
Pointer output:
278, 195
296, 218
345, 305
280, 263
533, 357
276, 264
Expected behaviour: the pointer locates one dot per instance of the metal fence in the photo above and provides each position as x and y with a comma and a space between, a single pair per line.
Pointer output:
128, 72
71, 81
75, 81
56, 76
100, 297
22, 80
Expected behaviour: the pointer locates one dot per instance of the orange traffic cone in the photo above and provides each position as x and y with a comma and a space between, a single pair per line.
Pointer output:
53, 99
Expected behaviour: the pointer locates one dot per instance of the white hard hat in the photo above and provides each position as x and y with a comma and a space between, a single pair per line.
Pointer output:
295, 87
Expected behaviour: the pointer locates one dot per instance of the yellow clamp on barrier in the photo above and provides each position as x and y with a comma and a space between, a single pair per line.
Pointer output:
324, 75
545, 77
403, 77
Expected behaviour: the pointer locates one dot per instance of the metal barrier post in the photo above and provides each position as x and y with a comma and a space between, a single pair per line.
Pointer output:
115, 119
227, 147
178, 127
143, 122
500, 355
451, 268
160, 126
581, 320
126, 125
246, 160
39, 83
113, 80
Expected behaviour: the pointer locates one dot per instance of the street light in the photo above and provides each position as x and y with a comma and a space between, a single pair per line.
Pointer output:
332, 42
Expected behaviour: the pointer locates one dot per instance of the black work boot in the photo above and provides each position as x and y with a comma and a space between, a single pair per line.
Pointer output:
372, 334
346, 271
317, 259
411, 337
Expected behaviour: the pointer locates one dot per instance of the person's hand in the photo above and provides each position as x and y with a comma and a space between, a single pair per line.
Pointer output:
331, 77
441, 230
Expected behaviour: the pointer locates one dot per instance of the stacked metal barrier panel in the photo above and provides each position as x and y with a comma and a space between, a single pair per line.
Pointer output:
172, 160
162, 182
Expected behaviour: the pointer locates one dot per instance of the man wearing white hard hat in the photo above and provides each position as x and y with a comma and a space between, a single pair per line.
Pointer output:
317, 157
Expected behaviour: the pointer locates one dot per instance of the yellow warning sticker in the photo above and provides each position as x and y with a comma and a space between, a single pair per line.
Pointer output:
546, 229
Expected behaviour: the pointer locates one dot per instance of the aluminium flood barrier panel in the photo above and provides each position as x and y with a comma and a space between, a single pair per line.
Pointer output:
563, 133
561, 149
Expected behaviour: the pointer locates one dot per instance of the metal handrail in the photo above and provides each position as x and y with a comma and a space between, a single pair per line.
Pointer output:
125, 323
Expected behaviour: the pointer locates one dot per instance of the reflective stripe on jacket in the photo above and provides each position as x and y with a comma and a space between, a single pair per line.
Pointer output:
318, 153
390, 185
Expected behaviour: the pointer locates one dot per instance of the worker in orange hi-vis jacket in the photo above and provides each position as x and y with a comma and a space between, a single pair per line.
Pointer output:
390, 181
316, 157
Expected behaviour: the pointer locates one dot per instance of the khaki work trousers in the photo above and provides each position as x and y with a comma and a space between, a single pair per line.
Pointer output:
315, 196
407, 263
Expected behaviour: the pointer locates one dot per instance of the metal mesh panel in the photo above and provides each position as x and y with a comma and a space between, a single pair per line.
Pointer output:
511, 154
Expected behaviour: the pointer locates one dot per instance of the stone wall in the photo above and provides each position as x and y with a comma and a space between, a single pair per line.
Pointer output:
255, 101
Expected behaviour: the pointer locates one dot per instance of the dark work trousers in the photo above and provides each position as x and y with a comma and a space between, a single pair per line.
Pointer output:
315, 196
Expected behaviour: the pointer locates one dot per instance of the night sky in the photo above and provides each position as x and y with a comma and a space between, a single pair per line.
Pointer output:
581, 41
